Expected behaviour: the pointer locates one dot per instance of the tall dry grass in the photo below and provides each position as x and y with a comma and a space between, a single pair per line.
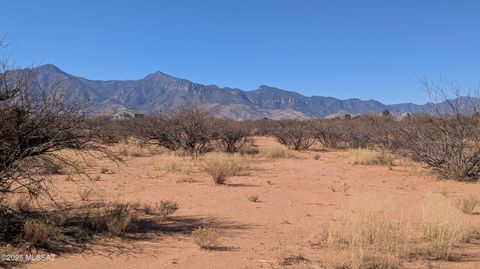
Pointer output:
443, 226
177, 164
220, 166
369, 157
276, 151
371, 234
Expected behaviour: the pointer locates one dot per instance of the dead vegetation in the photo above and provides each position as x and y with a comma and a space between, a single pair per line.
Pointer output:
53, 229
372, 233
369, 157
296, 135
206, 237
444, 227
276, 151
220, 166
467, 205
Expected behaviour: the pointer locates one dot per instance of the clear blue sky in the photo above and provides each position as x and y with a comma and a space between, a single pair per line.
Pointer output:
366, 49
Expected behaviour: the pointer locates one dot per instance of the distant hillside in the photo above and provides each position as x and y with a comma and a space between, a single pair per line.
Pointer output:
159, 92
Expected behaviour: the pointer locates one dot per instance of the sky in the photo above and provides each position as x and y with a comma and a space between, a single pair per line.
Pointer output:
345, 49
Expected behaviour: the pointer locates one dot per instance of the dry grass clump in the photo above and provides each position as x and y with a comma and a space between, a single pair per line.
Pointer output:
222, 165
186, 180
467, 205
292, 259
177, 164
369, 157
64, 162
253, 198
68, 227
276, 151
163, 208
444, 227
37, 232
114, 219
206, 237
370, 236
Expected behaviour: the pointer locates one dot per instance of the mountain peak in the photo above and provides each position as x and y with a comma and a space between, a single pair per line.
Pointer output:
50, 68
158, 75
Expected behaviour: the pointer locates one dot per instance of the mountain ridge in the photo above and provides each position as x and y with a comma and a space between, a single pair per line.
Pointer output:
159, 92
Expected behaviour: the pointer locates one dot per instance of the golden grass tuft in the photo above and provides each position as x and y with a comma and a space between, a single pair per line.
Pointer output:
176, 164
276, 151
206, 237
39, 232
467, 205
444, 227
370, 235
369, 157
220, 166
114, 219
163, 208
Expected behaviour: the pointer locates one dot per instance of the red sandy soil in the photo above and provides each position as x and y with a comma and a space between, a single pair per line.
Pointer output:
297, 196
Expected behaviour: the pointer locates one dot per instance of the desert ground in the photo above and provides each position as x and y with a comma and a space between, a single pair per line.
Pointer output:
295, 198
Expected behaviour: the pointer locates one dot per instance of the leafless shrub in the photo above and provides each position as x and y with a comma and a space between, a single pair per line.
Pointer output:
358, 132
158, 129
248, 148
189, 127
107, 131
36, 123
231, 135
296, 135
449, 141
329, 132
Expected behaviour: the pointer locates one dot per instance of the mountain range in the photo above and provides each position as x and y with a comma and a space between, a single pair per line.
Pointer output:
159, 92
